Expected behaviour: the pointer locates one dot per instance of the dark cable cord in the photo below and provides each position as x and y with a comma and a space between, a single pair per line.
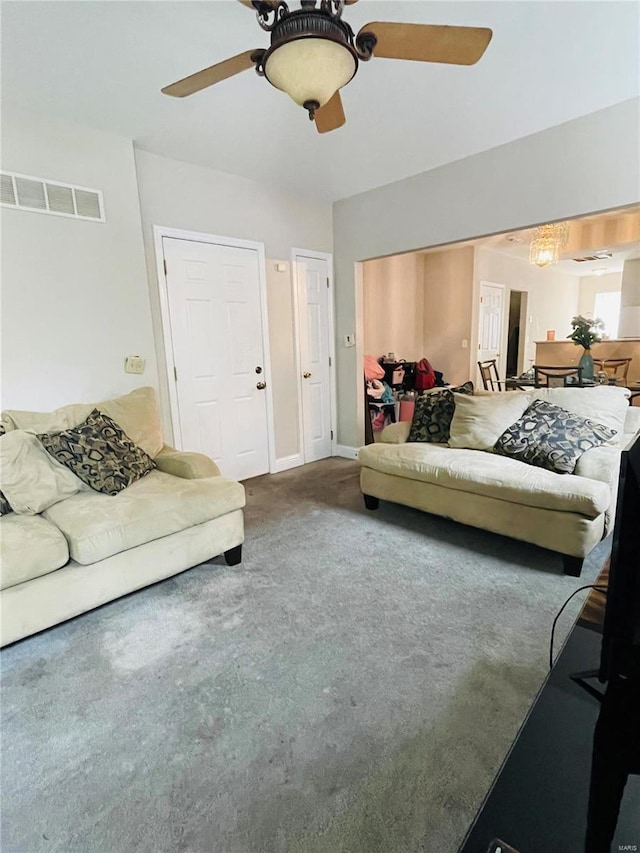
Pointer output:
595, 586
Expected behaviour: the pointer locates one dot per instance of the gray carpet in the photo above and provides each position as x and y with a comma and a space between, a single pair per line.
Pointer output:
352, 687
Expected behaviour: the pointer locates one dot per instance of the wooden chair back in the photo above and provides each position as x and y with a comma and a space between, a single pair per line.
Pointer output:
547, 376
618, 367
489, 374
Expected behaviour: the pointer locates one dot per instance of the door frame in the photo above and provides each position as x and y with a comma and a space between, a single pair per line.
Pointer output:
296, 255
160, 231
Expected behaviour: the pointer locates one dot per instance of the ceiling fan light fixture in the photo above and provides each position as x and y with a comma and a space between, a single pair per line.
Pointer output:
310, 69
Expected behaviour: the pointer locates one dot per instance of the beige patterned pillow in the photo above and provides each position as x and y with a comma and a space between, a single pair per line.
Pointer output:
100, 453
479, 421
30, 479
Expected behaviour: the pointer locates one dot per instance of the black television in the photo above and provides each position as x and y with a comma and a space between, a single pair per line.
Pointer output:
620, 655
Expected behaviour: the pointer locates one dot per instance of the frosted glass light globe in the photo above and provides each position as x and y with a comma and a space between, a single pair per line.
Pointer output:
310, 69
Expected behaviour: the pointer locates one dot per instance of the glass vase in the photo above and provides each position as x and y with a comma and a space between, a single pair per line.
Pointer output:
586, 363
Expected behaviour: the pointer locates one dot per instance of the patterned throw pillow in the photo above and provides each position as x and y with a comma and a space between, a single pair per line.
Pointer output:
433, 414
100, 453
5, 506
550, 437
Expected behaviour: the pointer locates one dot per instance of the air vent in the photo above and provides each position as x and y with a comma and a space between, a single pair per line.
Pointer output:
36, 194
599, 256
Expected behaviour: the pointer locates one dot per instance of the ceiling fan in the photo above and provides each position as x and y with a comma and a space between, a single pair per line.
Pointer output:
314, 53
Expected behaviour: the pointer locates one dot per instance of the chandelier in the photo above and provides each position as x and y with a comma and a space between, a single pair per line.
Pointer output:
547, 243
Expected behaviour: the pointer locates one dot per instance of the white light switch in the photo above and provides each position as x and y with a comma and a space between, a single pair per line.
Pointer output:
281, 267
134, 364
465, 343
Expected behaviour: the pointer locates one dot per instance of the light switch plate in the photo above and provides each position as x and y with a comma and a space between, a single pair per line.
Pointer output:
134, 364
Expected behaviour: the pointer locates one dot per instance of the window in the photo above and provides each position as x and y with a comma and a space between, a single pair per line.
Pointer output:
607, 308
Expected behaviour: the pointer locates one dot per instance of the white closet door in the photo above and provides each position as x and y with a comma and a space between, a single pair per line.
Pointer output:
313, 317
217, 335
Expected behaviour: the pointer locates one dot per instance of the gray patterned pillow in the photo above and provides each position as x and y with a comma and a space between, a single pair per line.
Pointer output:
5, 506
100, 453
433, 414
550, 437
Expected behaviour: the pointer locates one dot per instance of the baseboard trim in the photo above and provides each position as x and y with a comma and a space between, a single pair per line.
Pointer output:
286, 462
345, 451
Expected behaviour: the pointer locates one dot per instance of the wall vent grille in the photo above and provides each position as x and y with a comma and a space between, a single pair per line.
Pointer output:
43, 196
598, 256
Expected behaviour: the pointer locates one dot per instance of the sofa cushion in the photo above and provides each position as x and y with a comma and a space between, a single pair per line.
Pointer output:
30, 546
433, 413
479, 421
487, 474
99, 453
550, 437
97, 526
31, 480
605, 404
136, 412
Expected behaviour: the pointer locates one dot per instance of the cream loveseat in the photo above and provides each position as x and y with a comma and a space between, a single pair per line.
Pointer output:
467, 482
90, 548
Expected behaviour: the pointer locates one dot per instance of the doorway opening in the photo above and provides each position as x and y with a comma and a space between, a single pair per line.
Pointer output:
515, 332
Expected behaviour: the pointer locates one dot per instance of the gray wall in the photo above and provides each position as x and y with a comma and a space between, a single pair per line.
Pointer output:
75, 300
180, 195
586, 165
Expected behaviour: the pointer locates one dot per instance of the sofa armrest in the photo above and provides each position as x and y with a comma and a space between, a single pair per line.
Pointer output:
632, 422
600, 463
396, 433
189, 466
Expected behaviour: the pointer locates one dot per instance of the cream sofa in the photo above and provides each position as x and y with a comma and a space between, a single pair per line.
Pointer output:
91, 548
567, 513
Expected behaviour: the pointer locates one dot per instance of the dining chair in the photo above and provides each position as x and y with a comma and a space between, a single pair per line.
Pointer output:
547, 376
490, 376
614, 367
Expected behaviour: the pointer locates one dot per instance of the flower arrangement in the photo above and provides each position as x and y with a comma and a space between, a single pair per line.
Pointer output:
585, 331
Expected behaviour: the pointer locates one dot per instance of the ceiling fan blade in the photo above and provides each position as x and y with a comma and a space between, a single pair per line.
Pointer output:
429, 43
331, 116
209, 76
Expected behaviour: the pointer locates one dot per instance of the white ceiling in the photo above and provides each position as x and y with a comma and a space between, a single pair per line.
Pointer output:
103, 64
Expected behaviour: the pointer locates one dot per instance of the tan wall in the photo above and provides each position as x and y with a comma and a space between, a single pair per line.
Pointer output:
592, 284
630, 300
393, 299
566, 352
448, 309
283, 378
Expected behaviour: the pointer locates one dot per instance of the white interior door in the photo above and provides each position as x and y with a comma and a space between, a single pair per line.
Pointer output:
313, 298
490, 330
217, 338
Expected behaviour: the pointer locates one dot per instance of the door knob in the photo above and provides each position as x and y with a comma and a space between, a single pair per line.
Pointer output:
261, 385
258, 369
306, 374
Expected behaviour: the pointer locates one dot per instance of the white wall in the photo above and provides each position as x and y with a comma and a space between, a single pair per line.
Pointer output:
586, 165
552, 300
74, 293
180, 195
284, 376
592, 284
